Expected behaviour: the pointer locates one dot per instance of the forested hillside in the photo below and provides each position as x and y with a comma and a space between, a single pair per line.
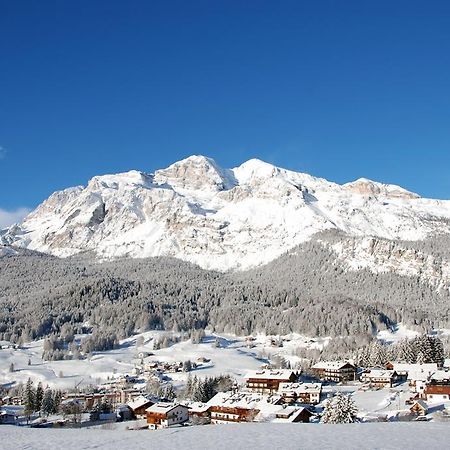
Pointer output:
306, 291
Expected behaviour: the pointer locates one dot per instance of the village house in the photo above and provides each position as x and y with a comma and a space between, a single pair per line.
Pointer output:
89, 401
199, 412
418, 376
123, 412
14, 400
380, 377
291, 414
337, 371
227, 407
308, 393
437, 388
404, 369
139, 406
114, 397
419, 408
165, 415
267, 381
127, 395
8, 418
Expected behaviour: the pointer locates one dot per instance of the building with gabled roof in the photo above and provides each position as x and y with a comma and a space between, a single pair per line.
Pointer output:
139, 406
228, 407
437, 387
267, 381
165, 415
419, 407
410, 370
380, 377
292, 414
336, 371
300, 392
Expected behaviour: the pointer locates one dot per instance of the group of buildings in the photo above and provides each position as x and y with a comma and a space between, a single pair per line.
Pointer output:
269, 394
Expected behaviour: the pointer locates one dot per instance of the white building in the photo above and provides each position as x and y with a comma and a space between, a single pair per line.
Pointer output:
300, 392
227, 407
379, 377
165, 415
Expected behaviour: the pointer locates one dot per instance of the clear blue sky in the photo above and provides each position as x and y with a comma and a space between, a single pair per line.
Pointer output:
339, 89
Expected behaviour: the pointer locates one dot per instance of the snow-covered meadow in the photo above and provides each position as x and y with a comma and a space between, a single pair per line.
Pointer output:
226, 354
268, 436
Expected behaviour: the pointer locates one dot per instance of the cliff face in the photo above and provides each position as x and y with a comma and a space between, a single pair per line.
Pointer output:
229, 218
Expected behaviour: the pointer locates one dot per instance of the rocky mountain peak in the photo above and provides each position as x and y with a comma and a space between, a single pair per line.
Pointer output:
219, 218
196, 172
364, 186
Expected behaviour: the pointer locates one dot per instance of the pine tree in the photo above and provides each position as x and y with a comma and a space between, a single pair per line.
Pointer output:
198, 393
57, 397
39, 396
47, 402
421, 358
28, 399
339, 409
167, 391
187, 366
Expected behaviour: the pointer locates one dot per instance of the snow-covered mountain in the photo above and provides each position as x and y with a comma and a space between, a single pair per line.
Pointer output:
220, 218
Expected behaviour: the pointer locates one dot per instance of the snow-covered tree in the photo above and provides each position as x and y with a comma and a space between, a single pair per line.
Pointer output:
339, 409
47, 402
39, 396
187, 366
57, 398
28, 399
167, 391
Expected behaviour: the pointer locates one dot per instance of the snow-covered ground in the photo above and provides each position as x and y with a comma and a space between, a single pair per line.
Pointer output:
240, 436
400, 332
232, 357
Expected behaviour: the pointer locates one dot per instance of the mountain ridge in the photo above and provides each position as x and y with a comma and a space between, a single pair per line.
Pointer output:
221, 219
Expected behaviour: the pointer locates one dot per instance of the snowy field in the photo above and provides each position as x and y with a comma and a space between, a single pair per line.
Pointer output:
241, 436
232, 357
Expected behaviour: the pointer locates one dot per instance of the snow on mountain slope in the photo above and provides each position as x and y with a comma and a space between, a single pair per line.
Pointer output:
219, 218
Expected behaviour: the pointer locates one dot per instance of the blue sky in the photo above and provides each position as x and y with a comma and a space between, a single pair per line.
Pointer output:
338, 89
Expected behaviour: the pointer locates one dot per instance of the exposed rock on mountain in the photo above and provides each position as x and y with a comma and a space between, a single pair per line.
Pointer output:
220, 218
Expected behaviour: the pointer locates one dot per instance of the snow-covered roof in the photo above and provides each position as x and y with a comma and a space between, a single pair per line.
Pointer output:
139, 402
163, 408
405, 367
440, 375
246, 400
198, 407
288, 414
379, 373
416, 371
300, 388
421, 403
330, 365
275, 374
